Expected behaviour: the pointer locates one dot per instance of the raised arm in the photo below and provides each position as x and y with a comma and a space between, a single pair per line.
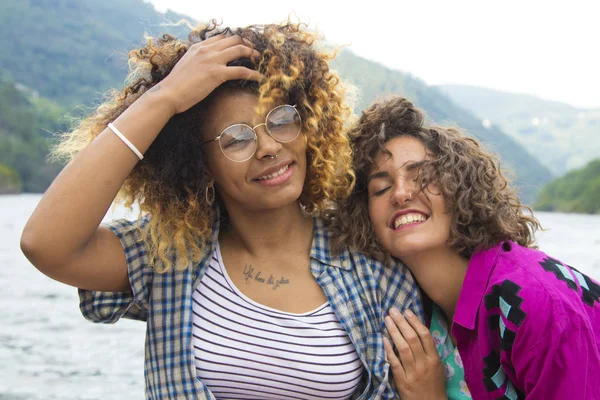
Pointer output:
63, 237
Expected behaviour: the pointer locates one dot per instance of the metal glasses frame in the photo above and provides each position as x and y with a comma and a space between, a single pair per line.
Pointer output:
217, 139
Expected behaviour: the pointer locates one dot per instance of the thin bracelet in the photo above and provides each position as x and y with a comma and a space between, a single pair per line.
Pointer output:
127, 142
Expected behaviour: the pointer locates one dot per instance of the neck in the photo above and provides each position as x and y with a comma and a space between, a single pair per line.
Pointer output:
440, 274
285, 229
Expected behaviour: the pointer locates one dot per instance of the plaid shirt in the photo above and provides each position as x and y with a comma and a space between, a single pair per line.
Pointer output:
359, 289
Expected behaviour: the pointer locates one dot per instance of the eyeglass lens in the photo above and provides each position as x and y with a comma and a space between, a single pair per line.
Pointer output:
238, 142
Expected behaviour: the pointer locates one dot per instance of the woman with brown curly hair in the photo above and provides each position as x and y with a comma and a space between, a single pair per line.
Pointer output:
523, 323
232, 144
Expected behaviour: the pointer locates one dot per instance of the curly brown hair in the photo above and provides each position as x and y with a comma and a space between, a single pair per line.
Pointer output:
485, 209
170, 182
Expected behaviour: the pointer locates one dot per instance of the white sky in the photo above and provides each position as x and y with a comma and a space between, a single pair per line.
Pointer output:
550, 49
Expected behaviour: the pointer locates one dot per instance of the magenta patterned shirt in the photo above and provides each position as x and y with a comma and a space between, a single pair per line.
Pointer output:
527, 325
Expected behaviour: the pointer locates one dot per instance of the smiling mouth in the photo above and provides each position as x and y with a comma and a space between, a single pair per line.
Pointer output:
409, 219
274, 174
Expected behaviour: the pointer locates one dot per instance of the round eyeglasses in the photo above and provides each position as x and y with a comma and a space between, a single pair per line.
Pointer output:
239, 142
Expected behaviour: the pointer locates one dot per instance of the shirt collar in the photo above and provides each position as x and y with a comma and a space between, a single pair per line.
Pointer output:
321, 249
480, 268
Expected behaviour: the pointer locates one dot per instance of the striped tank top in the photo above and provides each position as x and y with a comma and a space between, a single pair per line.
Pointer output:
245, 350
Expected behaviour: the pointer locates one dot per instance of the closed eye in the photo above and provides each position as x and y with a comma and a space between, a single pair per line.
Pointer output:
381, 191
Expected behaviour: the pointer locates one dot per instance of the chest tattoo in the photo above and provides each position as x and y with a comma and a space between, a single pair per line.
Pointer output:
253, 275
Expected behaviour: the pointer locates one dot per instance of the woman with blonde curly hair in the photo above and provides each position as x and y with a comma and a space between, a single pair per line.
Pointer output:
523, 323
232, 144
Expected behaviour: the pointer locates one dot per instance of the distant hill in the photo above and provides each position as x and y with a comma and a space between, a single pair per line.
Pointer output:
26, 126
71, 51
375, 80
9, 180
560, 136
577, 191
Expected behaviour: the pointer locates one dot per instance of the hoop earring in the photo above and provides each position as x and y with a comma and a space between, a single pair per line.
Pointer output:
210, 194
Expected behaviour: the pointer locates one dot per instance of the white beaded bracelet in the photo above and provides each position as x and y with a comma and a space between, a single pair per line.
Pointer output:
127, 142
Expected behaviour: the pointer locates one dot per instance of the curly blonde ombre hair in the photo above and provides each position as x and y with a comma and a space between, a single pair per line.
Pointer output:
169, 183
485, 209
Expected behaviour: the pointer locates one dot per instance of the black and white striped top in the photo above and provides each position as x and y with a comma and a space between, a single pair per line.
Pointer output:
245, 350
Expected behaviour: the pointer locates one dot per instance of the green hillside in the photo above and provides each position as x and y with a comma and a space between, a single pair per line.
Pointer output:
560, 136
9, 180
577, 191
26, 126
374, 80
71, 51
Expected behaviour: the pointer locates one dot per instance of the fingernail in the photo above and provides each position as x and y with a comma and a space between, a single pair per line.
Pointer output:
388, 320
409, 313
395, 312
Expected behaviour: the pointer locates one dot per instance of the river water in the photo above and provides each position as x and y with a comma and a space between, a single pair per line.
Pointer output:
48, 351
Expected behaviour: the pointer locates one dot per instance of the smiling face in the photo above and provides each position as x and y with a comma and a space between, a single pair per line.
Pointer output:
407, 222
263, 181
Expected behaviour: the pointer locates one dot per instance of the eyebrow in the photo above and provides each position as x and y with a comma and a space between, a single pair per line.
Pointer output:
377, 175
384, 174
416, 164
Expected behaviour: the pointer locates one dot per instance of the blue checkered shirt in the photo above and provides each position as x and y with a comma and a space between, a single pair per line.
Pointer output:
359, 289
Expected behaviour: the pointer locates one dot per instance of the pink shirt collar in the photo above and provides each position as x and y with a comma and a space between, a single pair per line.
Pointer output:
480, 268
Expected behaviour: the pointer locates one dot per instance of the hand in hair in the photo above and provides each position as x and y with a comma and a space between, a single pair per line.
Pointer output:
418, 371
63, 238
204, 67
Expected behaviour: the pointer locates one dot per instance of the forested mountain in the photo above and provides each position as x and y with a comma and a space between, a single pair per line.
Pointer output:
26, 126
9, 181
70, 51
577, 191
375, 80
560, 136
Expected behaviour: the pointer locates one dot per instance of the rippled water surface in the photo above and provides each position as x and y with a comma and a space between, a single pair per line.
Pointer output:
48, 351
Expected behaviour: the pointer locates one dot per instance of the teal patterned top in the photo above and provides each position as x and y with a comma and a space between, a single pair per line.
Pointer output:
456, 387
